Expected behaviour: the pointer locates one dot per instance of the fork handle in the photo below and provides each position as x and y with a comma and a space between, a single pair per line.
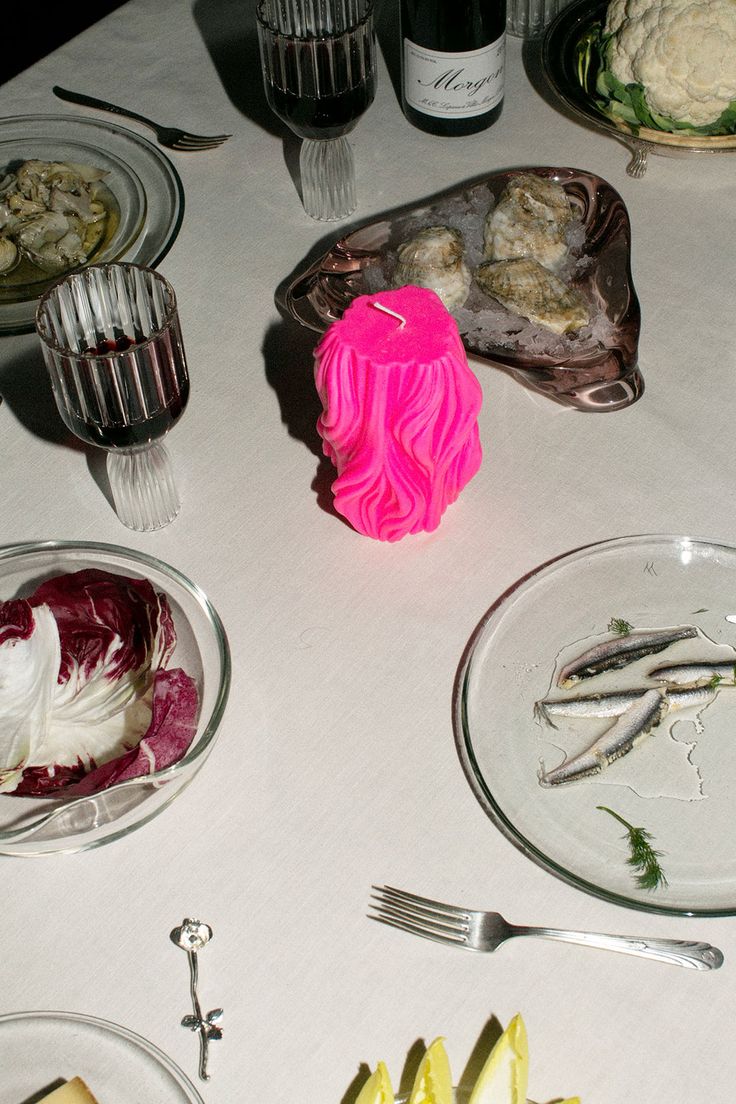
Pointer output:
680, 952
103, 105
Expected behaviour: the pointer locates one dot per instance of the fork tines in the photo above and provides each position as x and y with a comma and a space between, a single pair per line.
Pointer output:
200, 142
419, 915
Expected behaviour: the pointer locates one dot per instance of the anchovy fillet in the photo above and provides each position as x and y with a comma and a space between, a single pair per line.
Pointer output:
620, 651
610, 704
618, 740
682, 674
615, 702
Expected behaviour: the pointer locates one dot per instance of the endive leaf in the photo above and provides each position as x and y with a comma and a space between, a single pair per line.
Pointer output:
433, 1082
377, 1089
505, 1075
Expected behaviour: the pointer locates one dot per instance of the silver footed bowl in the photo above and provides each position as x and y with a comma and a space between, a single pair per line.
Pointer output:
560, 68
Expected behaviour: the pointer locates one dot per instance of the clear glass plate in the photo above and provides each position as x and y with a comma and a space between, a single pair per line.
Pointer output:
147, 195
678, 784
31, 826
41, 1049
559, 66
596, 374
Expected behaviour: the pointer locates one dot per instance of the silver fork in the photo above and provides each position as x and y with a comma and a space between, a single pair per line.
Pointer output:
486, 931
171, 137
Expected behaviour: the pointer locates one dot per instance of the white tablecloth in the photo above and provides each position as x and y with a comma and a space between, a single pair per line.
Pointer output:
336, 766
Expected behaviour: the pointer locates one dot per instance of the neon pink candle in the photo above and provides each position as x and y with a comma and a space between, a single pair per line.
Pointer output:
400, 412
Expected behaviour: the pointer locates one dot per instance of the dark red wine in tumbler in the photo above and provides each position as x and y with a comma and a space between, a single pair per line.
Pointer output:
324, 116
321, 88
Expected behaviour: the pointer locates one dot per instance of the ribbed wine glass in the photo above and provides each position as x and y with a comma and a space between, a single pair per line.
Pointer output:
112, 344
319, 72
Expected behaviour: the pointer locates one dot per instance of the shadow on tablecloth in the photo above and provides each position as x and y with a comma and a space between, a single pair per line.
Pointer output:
288, 353
26, 391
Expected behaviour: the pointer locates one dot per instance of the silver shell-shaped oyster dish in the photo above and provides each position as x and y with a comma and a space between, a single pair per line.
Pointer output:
593, 368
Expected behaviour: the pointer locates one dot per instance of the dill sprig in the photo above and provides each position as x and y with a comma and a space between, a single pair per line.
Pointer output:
643, 858
619, 626
715, 682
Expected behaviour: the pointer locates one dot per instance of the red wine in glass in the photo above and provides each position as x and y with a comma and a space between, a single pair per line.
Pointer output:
135, 434
112, 344
322, 117
319, 74
128, 409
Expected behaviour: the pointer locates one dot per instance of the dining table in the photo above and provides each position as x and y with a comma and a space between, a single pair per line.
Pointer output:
336, 764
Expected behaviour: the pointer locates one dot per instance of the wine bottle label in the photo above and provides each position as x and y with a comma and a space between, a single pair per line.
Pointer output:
454, 86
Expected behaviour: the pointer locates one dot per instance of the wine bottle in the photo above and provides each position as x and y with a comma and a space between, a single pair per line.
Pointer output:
452, 78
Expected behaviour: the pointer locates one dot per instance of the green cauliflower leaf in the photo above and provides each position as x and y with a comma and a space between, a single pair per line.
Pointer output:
628, 102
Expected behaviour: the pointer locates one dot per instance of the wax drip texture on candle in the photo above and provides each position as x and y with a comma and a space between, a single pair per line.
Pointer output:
400, 412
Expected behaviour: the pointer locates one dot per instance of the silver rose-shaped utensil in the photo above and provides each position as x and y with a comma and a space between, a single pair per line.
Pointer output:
192, 936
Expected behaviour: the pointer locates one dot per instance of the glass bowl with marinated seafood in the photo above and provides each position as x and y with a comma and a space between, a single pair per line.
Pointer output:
534, 265
114, 676
74, 192
594, 716
570, 65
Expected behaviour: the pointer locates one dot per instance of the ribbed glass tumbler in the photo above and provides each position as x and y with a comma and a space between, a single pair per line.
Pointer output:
530, 18
319, 73
112, 344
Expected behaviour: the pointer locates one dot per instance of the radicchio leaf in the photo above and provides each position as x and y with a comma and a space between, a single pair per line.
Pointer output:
172, 728
82, 691
29, 660
107, 623
16, 621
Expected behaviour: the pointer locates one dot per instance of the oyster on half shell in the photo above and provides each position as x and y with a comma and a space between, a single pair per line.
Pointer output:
529, 220
433, 258
531, 290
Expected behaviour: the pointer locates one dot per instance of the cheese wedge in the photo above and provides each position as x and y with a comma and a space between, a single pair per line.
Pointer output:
73, 1092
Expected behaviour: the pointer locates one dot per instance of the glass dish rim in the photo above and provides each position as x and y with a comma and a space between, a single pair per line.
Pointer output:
209, 732
464, 741
139, 1041
659, 142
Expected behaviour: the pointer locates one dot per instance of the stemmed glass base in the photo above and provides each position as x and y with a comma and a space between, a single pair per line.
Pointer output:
328, 178
143, 488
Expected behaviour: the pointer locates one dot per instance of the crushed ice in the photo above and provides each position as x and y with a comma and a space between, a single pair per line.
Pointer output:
485, 325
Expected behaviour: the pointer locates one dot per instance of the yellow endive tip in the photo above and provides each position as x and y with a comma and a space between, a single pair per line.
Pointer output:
377, 1089
433, 1081
505, 1075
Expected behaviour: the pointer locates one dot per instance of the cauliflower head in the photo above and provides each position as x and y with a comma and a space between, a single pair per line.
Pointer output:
682, 52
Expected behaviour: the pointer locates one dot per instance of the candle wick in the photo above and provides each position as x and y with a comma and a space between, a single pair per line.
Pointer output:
387, 310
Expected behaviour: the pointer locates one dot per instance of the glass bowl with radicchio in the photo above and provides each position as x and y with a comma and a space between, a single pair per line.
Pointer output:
114, 676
